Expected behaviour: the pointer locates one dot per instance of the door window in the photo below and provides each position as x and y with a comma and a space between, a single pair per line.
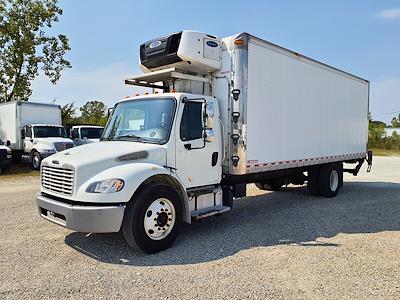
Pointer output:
28, 132
191, 124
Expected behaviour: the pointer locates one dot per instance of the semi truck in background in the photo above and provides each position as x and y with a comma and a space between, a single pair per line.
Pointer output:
85, 134
33, 130
231, 111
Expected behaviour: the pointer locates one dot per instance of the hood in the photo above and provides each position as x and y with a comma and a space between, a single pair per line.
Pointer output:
90, 159
53, 140
49, 143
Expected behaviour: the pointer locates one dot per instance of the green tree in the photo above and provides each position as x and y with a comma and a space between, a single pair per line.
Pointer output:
376, 130
396, 122
26, 46
94, 113
68, 114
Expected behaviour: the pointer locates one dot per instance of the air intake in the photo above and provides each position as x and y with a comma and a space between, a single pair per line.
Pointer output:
133, 156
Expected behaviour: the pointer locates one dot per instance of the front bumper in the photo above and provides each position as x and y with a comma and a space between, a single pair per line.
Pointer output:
82, 218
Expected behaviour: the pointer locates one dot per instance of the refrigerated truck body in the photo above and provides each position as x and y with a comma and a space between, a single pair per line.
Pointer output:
224, 113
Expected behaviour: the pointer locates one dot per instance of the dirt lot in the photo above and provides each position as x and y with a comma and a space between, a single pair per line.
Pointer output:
282, 245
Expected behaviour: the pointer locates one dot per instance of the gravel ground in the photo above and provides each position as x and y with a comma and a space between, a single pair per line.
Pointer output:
278, 245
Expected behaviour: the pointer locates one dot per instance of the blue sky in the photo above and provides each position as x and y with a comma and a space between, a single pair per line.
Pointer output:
361, 37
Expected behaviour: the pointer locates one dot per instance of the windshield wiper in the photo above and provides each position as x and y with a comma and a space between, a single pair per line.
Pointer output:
128, 136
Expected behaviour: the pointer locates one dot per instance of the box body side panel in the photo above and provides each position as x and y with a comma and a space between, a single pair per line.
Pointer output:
298, 110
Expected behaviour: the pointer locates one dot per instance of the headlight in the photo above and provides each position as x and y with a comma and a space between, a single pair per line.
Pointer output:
106, 186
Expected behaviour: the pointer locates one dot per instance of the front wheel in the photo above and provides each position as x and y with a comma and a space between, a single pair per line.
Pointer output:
153, 218
36, 160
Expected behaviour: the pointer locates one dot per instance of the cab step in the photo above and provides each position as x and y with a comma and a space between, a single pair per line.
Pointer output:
209, 211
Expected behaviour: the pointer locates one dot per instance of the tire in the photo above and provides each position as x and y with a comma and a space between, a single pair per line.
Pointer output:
272, 185
313, 181
36, 161
153, 218
329, 180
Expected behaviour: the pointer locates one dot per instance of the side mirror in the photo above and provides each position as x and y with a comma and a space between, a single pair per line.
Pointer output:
22, 133
109, 112
8, 143
208, 115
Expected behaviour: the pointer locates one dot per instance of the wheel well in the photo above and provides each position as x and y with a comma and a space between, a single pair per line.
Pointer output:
171, 181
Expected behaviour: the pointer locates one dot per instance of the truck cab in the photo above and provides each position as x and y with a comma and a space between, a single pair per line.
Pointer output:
85, 134
43, 140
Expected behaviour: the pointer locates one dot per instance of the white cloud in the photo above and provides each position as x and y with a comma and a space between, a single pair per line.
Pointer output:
105, 83
385, 99
389, 14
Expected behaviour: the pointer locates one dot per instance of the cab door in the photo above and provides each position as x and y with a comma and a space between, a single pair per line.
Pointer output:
28, 140
198, 162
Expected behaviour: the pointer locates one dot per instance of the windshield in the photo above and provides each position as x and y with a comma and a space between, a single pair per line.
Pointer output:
147, 120
49, 131
91, 133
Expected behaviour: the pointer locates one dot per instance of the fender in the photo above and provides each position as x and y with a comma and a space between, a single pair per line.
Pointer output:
133, 176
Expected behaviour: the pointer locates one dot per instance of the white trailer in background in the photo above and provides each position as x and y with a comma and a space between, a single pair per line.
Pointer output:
231, 111
33, 130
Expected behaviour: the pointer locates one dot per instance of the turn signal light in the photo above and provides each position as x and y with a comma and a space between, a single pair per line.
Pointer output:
239, 42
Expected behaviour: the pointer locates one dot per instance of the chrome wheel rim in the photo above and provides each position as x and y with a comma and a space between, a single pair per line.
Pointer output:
159, 219
36, 161
334, 180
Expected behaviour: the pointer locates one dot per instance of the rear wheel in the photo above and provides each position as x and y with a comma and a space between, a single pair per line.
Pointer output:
330, 180
313, 181
153, 218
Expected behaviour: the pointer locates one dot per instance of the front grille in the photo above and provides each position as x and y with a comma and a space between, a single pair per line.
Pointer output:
58, 180
62, 146
3, 154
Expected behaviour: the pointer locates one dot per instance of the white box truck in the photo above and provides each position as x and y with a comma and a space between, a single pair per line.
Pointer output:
5, 156
223, 113
33, 130
85, 134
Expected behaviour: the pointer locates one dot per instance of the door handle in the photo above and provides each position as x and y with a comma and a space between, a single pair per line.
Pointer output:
188, 146
214, 159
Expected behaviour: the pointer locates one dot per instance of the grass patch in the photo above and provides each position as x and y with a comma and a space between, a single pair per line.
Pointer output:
385, 152
18, 170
